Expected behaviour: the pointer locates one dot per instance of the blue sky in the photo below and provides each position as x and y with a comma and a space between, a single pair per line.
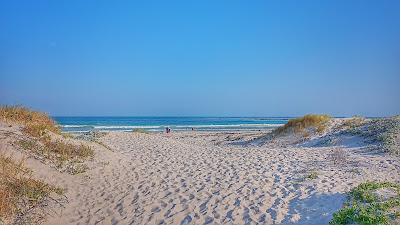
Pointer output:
201, 58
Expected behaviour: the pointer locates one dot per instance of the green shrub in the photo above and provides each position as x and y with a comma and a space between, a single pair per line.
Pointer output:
365, 208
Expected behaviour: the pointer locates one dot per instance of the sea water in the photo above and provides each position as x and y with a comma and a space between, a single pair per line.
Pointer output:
83, 124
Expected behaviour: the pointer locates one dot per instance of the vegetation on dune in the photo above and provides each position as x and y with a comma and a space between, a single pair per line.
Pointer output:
390, 136
353, 122
62, 154
365, 207
57, 151
383, 131
297, 125
19, 192
35, 123
38, 127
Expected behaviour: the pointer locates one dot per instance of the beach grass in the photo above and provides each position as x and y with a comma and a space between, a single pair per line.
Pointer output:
38, 127
18, 190
35, 123
59, 152
365, 207
299, 125
140, 130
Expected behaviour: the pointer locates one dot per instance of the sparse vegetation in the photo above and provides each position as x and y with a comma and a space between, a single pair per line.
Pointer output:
353, 122
18, 190
93, 136
312, 175
365, 207
58, 152
383, 131
140, 130
316, 122
390, 138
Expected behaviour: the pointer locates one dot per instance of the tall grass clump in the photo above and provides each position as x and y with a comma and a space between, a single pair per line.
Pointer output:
318, 122
35, 123
19, 192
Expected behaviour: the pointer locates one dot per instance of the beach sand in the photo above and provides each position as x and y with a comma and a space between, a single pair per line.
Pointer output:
205, 178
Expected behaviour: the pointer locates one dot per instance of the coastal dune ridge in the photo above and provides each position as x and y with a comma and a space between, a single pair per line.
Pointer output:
303, 172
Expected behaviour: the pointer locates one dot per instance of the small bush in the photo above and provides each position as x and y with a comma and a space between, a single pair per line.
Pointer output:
18, 190
312, 175
299, 124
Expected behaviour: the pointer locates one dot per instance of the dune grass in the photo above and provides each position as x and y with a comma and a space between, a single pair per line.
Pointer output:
364, 207
18, 190
57, 151
299, 125
35, 123
67, 157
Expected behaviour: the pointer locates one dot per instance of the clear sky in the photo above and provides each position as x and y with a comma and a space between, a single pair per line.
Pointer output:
201, 58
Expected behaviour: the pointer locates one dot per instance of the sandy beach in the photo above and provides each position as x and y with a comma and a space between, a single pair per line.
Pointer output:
199, 112
209, 178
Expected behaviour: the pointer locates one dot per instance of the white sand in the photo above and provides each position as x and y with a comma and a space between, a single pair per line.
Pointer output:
199, 178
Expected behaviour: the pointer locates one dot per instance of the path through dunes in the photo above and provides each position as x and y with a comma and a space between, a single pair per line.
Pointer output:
155, 179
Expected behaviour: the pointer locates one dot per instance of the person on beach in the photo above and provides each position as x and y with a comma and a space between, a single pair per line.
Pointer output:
167, 130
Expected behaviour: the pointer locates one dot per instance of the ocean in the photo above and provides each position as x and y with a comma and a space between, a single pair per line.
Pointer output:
156, 124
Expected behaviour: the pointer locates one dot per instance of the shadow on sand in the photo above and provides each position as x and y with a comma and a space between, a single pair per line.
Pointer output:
317, 209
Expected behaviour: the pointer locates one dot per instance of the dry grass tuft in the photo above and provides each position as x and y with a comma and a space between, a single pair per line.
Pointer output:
58, 152
18, 190
298, 125
36, 123
70, 150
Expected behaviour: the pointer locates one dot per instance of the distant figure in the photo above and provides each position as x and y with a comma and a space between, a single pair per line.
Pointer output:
192, 128
167, 130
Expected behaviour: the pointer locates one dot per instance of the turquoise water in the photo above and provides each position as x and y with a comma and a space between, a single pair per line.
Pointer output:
82, 124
